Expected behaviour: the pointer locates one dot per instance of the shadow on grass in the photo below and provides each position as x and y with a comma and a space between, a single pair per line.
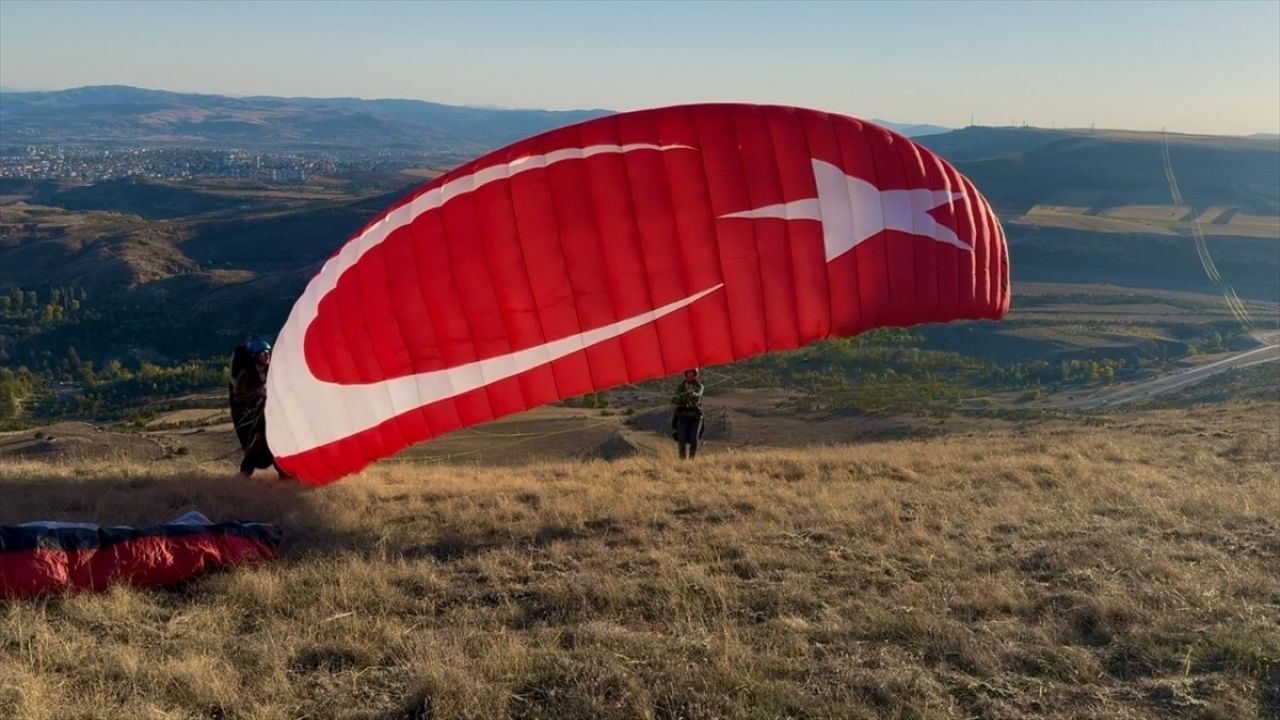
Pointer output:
152, 494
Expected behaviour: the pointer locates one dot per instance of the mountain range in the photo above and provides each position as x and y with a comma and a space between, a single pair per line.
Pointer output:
135, 116
117, 114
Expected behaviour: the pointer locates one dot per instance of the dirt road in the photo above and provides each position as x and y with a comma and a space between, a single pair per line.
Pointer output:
1174, 381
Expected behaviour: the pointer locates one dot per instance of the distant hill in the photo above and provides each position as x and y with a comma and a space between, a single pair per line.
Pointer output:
1021, 168
153, 201
1086, 206
913, 130
129, 115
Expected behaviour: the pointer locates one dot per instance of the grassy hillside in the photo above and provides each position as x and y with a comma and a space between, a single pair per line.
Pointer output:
1084, 206
1143, 260
1123, 566
1019, 168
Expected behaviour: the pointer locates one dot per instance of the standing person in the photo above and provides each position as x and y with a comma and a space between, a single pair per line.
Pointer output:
249, 366
686, 419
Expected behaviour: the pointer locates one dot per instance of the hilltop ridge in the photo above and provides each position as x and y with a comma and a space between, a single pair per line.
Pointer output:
124, 114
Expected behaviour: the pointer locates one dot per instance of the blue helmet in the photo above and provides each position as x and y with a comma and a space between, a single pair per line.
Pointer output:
258, 347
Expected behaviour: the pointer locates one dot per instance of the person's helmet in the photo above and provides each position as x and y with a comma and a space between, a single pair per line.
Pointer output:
258, 347
692, 371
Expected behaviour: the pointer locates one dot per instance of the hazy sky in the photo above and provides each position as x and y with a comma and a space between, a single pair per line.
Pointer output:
1188, 66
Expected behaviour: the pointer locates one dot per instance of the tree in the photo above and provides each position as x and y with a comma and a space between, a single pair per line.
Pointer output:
1109, 372
115, 371
51, 314
14, 386
8, 402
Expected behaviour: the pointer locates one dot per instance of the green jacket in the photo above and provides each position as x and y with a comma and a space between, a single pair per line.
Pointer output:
688, 399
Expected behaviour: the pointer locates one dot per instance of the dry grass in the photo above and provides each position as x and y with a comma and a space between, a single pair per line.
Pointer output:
1124, 566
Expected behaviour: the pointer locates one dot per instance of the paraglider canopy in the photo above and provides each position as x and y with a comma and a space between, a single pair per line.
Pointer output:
624, 248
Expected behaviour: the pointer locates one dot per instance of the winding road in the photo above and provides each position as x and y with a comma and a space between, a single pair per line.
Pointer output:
1170, 382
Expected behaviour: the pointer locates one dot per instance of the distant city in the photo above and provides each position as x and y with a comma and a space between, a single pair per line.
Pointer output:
94, 164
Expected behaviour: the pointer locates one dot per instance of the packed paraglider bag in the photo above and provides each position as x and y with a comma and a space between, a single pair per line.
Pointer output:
48, 557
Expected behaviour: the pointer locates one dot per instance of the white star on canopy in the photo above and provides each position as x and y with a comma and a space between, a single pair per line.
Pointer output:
852, 210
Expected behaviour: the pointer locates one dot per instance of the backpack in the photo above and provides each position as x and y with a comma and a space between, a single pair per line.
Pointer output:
241, 360
245, 416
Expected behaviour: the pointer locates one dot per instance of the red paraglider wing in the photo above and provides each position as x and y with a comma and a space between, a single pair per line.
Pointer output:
624, 248
49, 558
